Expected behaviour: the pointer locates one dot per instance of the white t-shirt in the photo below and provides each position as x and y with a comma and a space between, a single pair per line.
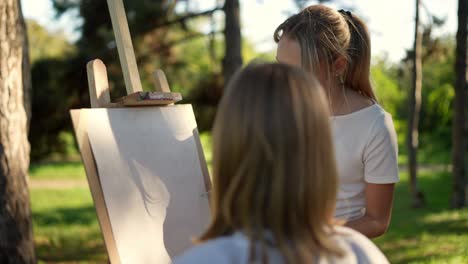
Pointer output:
234, 249
366, 151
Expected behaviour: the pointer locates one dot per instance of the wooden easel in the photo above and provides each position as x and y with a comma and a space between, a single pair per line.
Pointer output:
100, 98
97, 73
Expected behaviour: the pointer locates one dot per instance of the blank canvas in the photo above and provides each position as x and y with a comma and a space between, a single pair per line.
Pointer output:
153, 178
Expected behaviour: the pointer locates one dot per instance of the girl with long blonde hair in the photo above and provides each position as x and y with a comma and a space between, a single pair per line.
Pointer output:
274, 176
335, 46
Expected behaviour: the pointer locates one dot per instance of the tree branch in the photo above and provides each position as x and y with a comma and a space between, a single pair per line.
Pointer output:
184, 18
173, 43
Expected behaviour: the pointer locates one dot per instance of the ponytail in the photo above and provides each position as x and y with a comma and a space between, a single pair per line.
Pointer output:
359, 55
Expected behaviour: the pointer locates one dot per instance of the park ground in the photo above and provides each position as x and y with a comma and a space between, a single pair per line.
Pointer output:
67, 231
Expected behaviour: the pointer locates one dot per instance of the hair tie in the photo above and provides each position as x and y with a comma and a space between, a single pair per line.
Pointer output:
345, 13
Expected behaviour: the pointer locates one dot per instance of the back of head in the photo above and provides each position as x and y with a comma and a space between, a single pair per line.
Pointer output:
273, 165
324, 35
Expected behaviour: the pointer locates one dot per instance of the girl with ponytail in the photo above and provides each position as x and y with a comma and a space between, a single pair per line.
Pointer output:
335, 47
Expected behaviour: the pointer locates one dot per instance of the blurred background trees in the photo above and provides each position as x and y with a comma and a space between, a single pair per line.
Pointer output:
189, 45
165, 35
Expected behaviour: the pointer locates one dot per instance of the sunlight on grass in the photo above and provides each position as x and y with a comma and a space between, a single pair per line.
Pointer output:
66, 227
434, 234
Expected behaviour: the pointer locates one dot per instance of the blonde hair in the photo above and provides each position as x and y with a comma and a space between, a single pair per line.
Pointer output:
324, 35
273, 167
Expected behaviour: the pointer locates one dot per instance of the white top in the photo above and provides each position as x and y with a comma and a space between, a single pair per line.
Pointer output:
366, 151
235, 249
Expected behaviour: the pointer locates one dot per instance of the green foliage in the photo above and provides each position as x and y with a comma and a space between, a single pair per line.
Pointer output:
56, 89
206, 81
385, 81
437, 96
441, 101
51, 94
46, 45
192, 63
207, 144
392, 84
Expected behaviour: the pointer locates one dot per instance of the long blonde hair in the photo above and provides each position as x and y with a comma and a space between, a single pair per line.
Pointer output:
273, 167
324, 35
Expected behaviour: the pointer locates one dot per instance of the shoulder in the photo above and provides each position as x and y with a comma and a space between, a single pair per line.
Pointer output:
219, 250
360, 246
381, 120
381, 125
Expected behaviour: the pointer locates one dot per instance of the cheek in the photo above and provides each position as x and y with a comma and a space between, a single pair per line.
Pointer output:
289, 59
295, 57
288, 53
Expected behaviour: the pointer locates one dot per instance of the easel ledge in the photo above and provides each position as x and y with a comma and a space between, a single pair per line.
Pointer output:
100, 96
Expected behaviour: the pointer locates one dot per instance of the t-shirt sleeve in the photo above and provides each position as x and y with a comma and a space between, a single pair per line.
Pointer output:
381, 153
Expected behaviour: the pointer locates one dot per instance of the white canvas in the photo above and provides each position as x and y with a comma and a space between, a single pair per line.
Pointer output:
152, 179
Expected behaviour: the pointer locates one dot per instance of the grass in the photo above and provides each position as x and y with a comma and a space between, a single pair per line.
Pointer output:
65, 226
57, 171
205, 139
66, 229
434, 234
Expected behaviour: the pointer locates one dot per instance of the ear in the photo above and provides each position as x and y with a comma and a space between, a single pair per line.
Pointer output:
340, 65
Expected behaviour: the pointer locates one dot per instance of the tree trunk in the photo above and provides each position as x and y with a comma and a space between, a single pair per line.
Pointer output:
415, 108
26, 68
458, 197
233, 41
16, 237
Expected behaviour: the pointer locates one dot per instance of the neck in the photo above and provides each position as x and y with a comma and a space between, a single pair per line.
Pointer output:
345, 101
338, 99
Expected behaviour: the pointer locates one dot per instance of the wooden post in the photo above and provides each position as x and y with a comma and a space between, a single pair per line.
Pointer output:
98, 84
135, 95
124, 46
160, 82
